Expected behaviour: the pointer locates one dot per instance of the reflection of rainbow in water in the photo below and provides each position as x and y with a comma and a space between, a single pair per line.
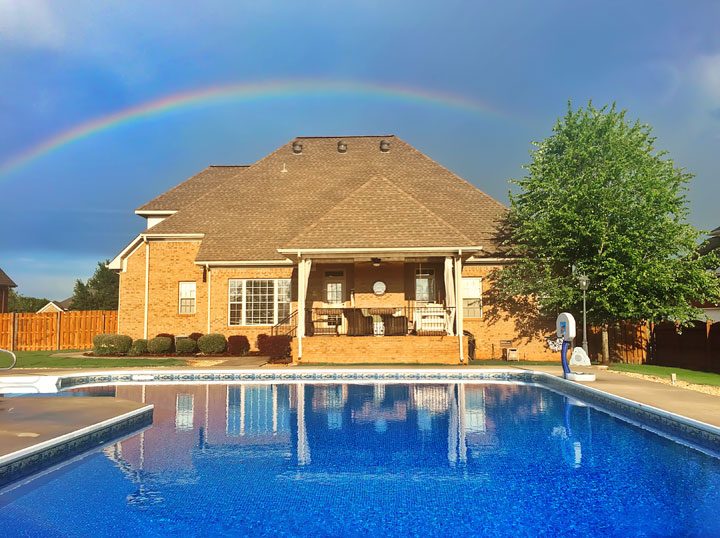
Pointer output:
244, 93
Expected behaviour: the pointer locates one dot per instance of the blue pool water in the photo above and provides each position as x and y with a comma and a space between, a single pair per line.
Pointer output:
365, 460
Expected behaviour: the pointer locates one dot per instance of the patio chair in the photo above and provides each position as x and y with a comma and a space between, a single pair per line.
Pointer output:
395, 325
358, 324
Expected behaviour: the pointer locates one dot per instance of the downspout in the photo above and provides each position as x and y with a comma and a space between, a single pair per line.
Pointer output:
147, 286
209, 289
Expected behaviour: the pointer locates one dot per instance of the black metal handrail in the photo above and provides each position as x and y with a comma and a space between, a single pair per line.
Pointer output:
286, 326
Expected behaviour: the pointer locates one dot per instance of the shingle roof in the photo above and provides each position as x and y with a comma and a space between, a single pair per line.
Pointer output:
6, 281
404, 195
379, 215
189, 190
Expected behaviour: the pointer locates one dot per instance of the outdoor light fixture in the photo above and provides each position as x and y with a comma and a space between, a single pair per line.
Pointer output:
384, 146
375, 262
297, 147
342, 147
584, 282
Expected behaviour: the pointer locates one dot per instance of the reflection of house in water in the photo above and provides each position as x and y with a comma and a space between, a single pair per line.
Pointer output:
349, 427
192, 419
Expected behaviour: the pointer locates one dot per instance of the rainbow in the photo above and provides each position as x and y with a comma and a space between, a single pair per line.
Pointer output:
243, 93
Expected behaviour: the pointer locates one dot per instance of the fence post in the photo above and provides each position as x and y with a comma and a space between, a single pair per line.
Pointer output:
13, 331
58, 325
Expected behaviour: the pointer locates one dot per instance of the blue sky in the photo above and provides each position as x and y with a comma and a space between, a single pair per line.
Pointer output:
66, 63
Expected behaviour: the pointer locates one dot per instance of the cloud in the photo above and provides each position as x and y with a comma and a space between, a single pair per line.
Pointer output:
30, 23
706, 74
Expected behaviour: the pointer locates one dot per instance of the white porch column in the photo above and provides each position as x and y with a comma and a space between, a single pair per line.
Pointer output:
459, 305
303, 277
449, 294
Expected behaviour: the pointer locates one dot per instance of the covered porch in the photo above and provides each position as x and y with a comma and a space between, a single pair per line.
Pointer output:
390, 297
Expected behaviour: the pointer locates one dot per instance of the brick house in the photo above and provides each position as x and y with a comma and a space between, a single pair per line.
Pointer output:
362, 248
5, 284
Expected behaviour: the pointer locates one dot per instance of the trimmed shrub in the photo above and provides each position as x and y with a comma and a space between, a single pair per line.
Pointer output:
238, 345
111, 344
138, 347
160, 345
212, 344
195, 336
275, 347
186, 346
172, 341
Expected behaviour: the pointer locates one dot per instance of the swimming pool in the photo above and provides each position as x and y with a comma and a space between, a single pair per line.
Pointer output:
367, 459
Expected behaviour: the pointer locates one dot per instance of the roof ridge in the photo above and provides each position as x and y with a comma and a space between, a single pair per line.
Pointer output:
229, 166
344, 136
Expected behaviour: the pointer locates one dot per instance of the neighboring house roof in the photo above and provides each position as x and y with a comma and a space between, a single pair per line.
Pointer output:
191, 189
6, 281
57, 306
322, 197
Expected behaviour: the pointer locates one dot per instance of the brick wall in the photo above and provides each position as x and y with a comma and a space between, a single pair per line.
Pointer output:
494, 327
219, 298
173, 261
385, 349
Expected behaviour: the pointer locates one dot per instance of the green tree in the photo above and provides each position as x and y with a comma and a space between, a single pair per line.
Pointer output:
20, 303
100, 292
600, 197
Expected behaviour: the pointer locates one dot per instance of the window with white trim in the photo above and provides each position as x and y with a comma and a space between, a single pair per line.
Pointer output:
186, 300
472, 297
184, 405
425, 285
258, 301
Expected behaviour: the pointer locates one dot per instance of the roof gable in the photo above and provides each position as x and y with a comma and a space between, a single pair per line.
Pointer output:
379, 215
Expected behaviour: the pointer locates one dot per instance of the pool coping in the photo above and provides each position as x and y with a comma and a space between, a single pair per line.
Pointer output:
690, 431
37, 457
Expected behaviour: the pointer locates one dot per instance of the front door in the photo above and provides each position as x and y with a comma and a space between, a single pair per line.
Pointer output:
334, 288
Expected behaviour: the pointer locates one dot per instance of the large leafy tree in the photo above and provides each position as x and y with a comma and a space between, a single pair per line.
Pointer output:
600, 197
100, 292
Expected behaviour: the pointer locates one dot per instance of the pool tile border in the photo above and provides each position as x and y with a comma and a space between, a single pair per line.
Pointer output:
35, 458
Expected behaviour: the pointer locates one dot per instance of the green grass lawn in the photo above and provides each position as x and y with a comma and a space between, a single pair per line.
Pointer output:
44, 359
689, 376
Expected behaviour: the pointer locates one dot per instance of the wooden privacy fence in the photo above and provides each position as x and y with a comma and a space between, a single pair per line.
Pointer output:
628, 342
21, 331
696, 347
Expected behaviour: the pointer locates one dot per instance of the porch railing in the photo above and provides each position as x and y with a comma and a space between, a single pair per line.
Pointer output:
380, 321
286, 326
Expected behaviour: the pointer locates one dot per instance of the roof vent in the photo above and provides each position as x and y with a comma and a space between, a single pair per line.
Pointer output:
297, 147
342, 147
384, 146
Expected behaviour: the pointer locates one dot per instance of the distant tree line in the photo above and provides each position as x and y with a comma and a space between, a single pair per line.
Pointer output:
100, 292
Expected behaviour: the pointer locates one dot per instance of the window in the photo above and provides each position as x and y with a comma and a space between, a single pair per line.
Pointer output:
425, 285
258, 302
334, 284
472, 297
186, 303
184, 412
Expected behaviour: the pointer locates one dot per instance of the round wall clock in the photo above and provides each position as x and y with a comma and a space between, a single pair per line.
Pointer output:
379, 287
